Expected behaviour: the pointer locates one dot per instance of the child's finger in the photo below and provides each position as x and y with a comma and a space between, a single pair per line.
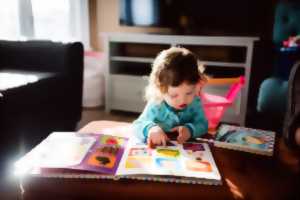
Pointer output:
148, 140
167, 138
150, 143
180, 130
164, 142
180, 135
180, 140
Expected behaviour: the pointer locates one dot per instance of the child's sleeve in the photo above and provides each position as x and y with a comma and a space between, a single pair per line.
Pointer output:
199, 125
145, 121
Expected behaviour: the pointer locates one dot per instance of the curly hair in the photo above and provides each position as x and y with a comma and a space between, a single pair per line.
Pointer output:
173, 67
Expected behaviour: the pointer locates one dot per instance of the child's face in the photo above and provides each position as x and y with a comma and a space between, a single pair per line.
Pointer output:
181, 96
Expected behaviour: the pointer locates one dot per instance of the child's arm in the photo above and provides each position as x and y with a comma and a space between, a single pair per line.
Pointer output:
145, 121
199, 125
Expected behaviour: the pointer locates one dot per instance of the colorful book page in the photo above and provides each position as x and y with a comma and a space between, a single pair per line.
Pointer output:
96, 155
243, 137
61, 149
192, 160
105, 155
198, 161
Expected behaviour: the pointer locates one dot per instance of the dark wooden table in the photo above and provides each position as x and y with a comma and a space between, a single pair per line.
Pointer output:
244, 176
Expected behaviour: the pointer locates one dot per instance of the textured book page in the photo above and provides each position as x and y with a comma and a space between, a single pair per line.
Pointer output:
58, 150
193, 160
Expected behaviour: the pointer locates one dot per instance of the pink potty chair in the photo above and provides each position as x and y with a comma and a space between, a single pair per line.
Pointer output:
215, 105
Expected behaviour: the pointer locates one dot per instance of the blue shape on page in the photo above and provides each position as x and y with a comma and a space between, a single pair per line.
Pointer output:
249, 138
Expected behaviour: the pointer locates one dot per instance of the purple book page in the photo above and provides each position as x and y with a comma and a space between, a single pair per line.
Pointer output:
104, 156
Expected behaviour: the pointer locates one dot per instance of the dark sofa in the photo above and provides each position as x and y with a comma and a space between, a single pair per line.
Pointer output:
273, 69
40, 91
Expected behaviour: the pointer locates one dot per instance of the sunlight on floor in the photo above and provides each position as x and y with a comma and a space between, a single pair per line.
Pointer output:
234, 189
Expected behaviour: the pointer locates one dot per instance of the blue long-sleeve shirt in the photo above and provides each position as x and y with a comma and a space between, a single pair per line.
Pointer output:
167, 118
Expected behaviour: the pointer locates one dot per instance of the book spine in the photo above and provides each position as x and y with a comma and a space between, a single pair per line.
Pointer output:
243, 148
173, 180
132, 177
77, 176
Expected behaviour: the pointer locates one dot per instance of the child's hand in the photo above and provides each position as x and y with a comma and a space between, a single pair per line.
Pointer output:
156, 137
183, 134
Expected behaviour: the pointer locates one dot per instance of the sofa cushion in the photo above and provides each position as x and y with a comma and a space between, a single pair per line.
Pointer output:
272, 97
16, 78
22, 89
34, 55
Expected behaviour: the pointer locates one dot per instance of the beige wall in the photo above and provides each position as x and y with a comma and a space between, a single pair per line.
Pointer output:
105, 18
93, 24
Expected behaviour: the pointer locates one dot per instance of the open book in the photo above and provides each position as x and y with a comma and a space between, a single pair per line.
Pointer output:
243, 139
74, 155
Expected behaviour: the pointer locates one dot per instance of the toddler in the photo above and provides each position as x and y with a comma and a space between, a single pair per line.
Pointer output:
172, 101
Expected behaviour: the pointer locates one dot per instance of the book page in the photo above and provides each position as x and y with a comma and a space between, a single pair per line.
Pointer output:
74, 151
105, 155
248, 139
188, 160
58, 150
64, 149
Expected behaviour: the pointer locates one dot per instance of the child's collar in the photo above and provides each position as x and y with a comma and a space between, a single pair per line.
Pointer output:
170, 108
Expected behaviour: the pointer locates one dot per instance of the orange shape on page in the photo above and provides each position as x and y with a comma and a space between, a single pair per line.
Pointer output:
102, 160
199, 166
